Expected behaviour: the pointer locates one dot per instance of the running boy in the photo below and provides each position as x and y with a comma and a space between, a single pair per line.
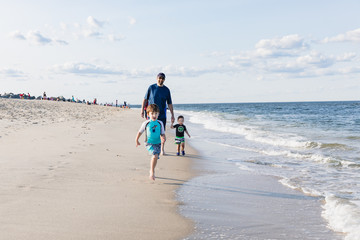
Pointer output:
179, 139
154, 135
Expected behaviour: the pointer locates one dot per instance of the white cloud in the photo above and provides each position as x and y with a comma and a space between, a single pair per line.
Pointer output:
346, 57
63, 26
93, 69
17, 35
35, 37
290, 56
307, 64
132, 21
115, 38
9, 72
317, 59
61, 42
91, 33
82, 68
350, 36
287, 42
93, 22
284, 67
289, 45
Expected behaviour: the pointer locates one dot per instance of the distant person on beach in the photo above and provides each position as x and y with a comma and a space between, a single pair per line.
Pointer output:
44, 95
154, 136
160, 95
179, 137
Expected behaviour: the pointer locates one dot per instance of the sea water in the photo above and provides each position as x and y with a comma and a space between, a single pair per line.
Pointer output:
313, 147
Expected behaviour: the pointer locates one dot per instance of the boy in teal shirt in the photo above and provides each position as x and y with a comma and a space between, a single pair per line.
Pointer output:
154, 136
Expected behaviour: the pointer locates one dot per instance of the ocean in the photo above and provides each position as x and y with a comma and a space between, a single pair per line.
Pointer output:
311, 147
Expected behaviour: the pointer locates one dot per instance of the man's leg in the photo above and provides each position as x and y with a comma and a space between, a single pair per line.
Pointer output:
163, 142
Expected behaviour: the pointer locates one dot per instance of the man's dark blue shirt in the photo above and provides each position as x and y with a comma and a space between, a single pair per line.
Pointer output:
160, 96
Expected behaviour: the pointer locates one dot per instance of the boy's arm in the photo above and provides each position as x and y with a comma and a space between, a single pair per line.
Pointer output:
187, 133
141, 130
163, 138
137, 138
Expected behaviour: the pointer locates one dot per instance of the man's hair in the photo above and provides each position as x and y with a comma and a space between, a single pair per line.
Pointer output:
153, 108
180, 117
161, 75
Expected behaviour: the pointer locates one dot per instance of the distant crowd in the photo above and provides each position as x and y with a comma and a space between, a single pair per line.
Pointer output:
60, 98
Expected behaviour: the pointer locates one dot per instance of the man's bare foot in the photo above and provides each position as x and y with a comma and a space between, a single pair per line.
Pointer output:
152, 176
163, 153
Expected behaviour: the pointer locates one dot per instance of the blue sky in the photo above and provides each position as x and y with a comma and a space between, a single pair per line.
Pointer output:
210, 51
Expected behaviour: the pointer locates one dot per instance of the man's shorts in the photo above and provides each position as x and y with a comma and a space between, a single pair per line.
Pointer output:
179, 140
154, 149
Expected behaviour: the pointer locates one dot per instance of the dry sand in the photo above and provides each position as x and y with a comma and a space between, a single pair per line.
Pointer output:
72, 171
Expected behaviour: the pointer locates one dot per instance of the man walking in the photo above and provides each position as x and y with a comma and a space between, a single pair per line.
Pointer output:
160, 95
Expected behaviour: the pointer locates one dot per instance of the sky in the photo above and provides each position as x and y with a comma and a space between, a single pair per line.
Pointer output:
211, 51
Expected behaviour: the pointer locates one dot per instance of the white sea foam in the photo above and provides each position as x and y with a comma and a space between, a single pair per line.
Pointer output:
244, 167
308, 191
213, 121
287, 153
342, 216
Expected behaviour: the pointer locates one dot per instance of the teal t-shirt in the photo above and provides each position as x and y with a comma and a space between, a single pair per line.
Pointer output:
153, 131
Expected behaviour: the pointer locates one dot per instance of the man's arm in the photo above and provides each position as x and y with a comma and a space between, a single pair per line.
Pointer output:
143, 106
172, 113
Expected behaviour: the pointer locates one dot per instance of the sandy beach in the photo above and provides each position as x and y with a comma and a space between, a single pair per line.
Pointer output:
72, 171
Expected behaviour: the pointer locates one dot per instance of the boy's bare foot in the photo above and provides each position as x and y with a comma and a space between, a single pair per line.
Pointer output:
152, 176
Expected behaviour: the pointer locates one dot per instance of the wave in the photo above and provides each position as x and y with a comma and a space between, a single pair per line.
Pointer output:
308, 191
215, 122
313, 157
343, 216
218, 122
353, 137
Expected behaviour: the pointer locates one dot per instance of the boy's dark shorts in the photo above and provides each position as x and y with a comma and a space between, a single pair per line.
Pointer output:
153, 149
179, 140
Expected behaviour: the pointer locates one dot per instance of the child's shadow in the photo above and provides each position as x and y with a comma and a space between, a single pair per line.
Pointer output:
173, 154
177, 182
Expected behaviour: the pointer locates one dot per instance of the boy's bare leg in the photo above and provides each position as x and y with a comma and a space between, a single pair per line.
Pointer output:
152, 167
178, 148
182, 146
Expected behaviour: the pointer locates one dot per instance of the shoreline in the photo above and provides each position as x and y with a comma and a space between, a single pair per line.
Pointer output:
77, 179
249, 205
231, 201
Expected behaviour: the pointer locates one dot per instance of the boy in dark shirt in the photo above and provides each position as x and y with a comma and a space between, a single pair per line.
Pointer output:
179, 139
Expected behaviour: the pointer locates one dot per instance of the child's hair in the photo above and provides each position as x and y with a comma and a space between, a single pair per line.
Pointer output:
180, 117
153, 108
